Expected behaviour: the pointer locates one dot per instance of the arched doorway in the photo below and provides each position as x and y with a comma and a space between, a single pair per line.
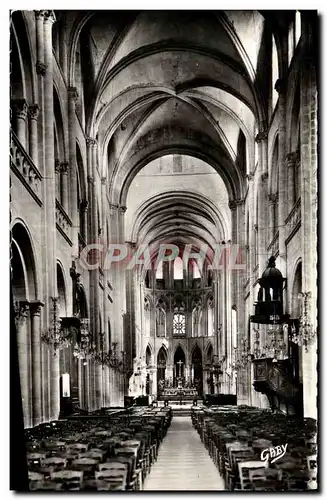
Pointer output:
24, 295
179, 366
161, 370
197, 372
148, 382
210, 382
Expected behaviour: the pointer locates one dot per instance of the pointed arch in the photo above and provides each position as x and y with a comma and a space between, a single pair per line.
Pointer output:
196, 349
25, 285
22, 39
61, 289
209, 352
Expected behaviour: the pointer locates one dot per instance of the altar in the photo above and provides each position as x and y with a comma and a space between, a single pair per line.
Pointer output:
183, 391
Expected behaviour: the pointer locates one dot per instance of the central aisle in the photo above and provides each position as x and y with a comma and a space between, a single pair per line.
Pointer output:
183, 462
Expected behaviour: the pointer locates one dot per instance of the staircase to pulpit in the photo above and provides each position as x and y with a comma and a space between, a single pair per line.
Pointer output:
274, 378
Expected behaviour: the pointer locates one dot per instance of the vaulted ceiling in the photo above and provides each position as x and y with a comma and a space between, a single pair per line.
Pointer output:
158, 83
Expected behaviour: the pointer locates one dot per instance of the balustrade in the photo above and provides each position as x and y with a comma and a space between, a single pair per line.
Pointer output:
23, 167
273, 246
293, 220
63, 222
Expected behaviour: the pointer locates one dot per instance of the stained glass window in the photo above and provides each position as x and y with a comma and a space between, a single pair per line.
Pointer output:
179, 325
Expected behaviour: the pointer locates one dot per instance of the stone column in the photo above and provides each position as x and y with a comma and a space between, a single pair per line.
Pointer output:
63, 49
105, 305
282, 175
64, 185
50, 217
21, 108
72, 98
273, 224
84, 208
308, 135
261, 139
94, 274
33, 112
22, 314
291, 161
35, 308
57, 180
39, 17
40, 70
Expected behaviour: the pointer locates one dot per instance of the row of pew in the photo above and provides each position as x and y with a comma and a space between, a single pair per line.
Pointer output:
245, 444
104, 451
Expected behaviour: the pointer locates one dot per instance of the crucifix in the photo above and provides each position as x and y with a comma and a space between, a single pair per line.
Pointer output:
180, 363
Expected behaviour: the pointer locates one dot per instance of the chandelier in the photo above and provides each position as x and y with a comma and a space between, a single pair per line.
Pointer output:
55, 336
215, 367
242, 356
84, 349
101, 358
305, 333
110, 358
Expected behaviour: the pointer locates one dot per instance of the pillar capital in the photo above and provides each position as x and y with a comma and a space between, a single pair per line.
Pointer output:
64, 167
49, 16
261, 136
39, 14
57, 166
103, 181
236, 203
281, 86
273, 198
292, 159
84, 205
250, 176
264, 176
232, 204
41, 68
122, 209
36, 307
91, 142
21, 108
113, 206
90, 179
21, 310
33, 111
72, 93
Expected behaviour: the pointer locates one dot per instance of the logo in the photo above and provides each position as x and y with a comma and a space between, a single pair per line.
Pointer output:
273, 454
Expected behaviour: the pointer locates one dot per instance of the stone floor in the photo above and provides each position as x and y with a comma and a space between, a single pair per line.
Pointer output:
183, 462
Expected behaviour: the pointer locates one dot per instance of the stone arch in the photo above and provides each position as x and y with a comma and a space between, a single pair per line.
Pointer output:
21, 37
234, 186
161, 361
59, 123
82, 202
149, 354
194, 348
273, 187
25, 285
295, 302
196, 357
61, 289
209, 352
179, 357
